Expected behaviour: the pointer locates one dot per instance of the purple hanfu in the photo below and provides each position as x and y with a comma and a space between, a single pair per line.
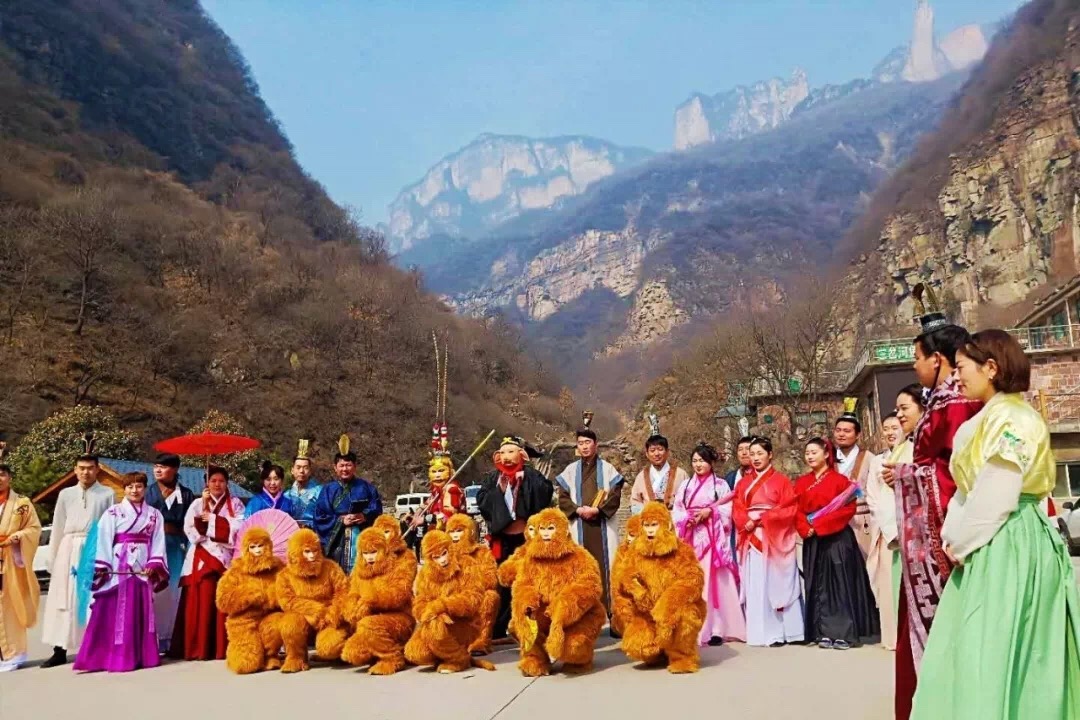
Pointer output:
129, 567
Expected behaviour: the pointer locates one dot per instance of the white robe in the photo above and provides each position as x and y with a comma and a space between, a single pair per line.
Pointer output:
760, 591
76, 512
117, 553
222, 551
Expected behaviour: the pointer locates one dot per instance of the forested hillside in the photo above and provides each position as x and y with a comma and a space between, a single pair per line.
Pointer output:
162, 253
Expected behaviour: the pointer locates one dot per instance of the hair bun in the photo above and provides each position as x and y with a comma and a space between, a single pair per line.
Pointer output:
267, 466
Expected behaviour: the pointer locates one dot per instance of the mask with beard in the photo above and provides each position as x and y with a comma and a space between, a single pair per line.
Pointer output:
257, 552
657, 537
509, 459
552, 540
439, 559
372, 554
305, 553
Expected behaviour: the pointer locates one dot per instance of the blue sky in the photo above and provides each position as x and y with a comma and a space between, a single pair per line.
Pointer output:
373, 92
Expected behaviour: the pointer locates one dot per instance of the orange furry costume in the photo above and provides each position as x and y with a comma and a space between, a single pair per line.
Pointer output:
556, 595
405, 559
247, 596
622, 605
310, 590
378, 607
477, 558
664, 584
446, 609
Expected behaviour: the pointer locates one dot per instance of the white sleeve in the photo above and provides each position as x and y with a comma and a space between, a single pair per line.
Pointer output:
193, 511
882, 504
996, 495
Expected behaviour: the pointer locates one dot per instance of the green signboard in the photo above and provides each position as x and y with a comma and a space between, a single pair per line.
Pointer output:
895, 352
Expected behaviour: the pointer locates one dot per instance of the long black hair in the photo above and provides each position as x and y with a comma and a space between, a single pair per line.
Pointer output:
706, 452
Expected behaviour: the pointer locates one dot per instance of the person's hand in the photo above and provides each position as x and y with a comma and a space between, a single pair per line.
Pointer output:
750, 525
5, 541
205, 516
587, 512
702, 515
888, 473
348, 520
952, 558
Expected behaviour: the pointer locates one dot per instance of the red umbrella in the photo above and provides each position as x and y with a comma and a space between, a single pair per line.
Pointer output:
207, 444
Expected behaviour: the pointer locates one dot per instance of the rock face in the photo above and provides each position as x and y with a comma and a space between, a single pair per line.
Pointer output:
496, 178
739, 112
1006, 219
928, 60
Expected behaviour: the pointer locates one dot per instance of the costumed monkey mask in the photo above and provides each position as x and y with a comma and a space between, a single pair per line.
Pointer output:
462, 530
552, 540
633, 529
440, 470
510, 459
436, 548
657, 538
305, 553
390, 529
374, 552
257, 552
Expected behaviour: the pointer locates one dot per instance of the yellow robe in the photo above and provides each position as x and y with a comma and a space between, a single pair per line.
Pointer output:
20, 593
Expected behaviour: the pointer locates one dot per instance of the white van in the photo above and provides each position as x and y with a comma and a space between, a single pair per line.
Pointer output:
409, 502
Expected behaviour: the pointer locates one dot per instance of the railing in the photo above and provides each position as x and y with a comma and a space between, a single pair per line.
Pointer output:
898, 351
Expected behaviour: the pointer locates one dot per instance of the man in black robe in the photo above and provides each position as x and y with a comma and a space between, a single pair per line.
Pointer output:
508, 497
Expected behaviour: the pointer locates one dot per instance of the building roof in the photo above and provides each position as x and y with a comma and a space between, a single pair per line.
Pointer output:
1044, 304
189, 477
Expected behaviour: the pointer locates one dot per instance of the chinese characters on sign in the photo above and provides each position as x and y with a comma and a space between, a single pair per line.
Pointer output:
895, 352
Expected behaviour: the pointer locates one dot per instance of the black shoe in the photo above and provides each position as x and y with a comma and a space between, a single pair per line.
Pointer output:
778, 643
59, 657
715, 641
614, 634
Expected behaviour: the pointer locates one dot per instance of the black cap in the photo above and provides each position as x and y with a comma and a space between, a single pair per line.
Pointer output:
168, 460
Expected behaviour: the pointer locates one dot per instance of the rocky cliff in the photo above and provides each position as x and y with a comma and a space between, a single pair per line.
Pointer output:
989, 209
738, 112
928, 60
496, 178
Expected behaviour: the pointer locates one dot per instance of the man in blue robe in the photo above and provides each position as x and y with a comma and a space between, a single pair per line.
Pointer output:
346, 505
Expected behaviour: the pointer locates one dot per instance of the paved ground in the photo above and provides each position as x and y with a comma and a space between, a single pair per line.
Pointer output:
735, 681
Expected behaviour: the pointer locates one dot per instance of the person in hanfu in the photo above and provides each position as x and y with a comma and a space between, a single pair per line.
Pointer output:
840, 611
742, 455
590, 490
1005, 642
128, 568
883, 562
273, 495
346, 506
702, 517
923, 490
169, 497
77, 510
764, 512
663, 476
857, 464
20, 530
510, 494
210, 526
304, 492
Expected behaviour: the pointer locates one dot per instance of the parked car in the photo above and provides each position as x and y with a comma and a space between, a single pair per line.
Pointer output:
41, 559
409, 502
470, 500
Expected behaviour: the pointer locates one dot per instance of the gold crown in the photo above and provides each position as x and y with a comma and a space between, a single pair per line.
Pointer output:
303, 447
850, 403
343, 444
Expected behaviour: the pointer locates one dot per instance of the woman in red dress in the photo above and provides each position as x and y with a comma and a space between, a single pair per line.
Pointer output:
840, 609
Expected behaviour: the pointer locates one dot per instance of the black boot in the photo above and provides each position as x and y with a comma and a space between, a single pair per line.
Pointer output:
59, 657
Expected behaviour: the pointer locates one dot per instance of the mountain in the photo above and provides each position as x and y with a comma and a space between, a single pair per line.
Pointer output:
736, 113
162, 253
986, 209
742, 111
496, 178
646, 251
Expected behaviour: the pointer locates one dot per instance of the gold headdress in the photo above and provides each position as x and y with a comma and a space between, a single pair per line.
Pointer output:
344, 450
303, 448
851, 404
440, 435
929, 310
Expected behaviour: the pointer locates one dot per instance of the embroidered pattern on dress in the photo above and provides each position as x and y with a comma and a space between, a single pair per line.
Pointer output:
1011, 446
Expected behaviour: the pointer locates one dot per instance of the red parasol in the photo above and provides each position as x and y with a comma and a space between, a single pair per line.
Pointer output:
207, 444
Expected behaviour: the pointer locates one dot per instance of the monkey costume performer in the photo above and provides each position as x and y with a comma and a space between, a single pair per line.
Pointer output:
247, 596
310, 590
622, 604
477, 558
446, 609
404, 559
663, 578
557, 606
378, 607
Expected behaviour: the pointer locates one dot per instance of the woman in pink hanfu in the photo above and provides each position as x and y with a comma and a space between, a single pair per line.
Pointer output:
702, 516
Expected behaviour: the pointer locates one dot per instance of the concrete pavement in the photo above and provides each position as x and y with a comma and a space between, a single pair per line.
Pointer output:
735, 681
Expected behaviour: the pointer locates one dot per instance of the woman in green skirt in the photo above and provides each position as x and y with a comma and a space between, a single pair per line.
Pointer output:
1006, 638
